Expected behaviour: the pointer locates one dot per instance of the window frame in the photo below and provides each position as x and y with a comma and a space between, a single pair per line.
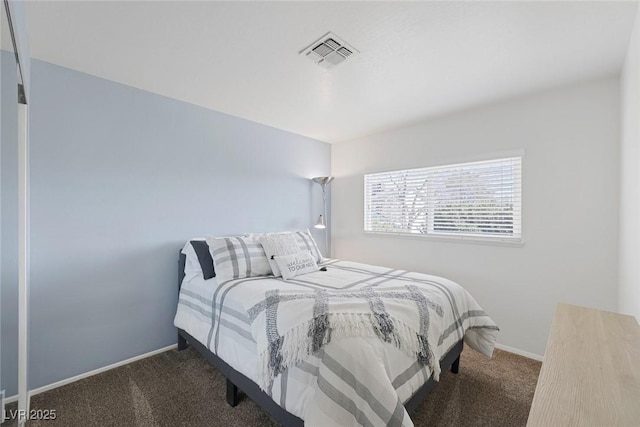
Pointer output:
456, 238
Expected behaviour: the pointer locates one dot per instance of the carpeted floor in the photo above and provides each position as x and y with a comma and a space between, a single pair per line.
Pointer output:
182, 389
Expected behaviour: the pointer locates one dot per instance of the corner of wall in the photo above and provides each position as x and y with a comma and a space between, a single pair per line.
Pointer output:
629, 237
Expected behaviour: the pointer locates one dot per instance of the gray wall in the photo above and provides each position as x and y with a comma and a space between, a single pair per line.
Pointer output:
120, 179
9, 224
569, 194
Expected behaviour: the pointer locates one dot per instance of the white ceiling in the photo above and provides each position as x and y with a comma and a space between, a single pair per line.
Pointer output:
416, 59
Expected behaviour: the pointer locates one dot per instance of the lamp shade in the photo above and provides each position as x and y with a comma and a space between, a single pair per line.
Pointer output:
322, 180
320, 223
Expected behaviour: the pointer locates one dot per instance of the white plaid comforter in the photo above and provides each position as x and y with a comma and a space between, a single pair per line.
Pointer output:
347, 380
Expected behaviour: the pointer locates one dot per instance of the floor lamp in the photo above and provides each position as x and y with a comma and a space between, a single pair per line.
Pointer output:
322, 219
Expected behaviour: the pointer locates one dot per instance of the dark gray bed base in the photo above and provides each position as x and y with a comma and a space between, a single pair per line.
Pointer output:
236, 381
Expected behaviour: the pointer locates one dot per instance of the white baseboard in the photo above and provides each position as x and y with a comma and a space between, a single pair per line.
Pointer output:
2, 402
60, 383
519, 352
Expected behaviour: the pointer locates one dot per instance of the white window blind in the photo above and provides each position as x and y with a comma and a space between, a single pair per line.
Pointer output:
478, 199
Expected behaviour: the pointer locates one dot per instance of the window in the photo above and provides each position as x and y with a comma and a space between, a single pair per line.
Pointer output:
467, 200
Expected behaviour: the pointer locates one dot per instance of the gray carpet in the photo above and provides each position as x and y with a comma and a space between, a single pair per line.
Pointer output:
182, 389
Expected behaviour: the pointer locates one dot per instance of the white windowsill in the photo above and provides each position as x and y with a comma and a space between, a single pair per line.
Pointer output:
491, 241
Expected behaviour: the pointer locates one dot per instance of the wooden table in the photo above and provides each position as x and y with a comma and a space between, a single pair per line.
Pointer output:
590, 374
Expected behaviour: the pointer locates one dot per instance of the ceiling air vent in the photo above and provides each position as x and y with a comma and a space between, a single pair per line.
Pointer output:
328, 51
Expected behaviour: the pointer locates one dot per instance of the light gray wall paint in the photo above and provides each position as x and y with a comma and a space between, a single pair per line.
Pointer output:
570, 204
629, 295
9, 224
120, 179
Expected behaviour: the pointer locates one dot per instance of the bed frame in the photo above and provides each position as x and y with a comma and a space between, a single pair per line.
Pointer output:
237, 382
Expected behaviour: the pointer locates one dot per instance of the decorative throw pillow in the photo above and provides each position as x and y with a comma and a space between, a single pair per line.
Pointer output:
296, 264
237, 258
278, 244
203, 254
306, 242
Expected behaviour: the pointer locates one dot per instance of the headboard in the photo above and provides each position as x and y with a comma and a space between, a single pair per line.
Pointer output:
182, 260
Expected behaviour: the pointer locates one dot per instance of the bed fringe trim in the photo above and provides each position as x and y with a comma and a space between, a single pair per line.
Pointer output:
311, 336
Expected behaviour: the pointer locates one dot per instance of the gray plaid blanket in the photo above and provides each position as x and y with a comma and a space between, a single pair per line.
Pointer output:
398, 314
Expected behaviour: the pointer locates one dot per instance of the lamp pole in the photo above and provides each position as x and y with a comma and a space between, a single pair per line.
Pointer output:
323, 221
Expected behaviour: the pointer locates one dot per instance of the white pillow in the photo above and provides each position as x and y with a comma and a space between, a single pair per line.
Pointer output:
192, 266
296, 264
238, 257
278, 244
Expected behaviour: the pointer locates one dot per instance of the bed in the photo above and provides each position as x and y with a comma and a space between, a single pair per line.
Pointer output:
355, 379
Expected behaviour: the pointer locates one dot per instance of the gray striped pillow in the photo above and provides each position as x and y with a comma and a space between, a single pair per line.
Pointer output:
306, 242
238, 257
